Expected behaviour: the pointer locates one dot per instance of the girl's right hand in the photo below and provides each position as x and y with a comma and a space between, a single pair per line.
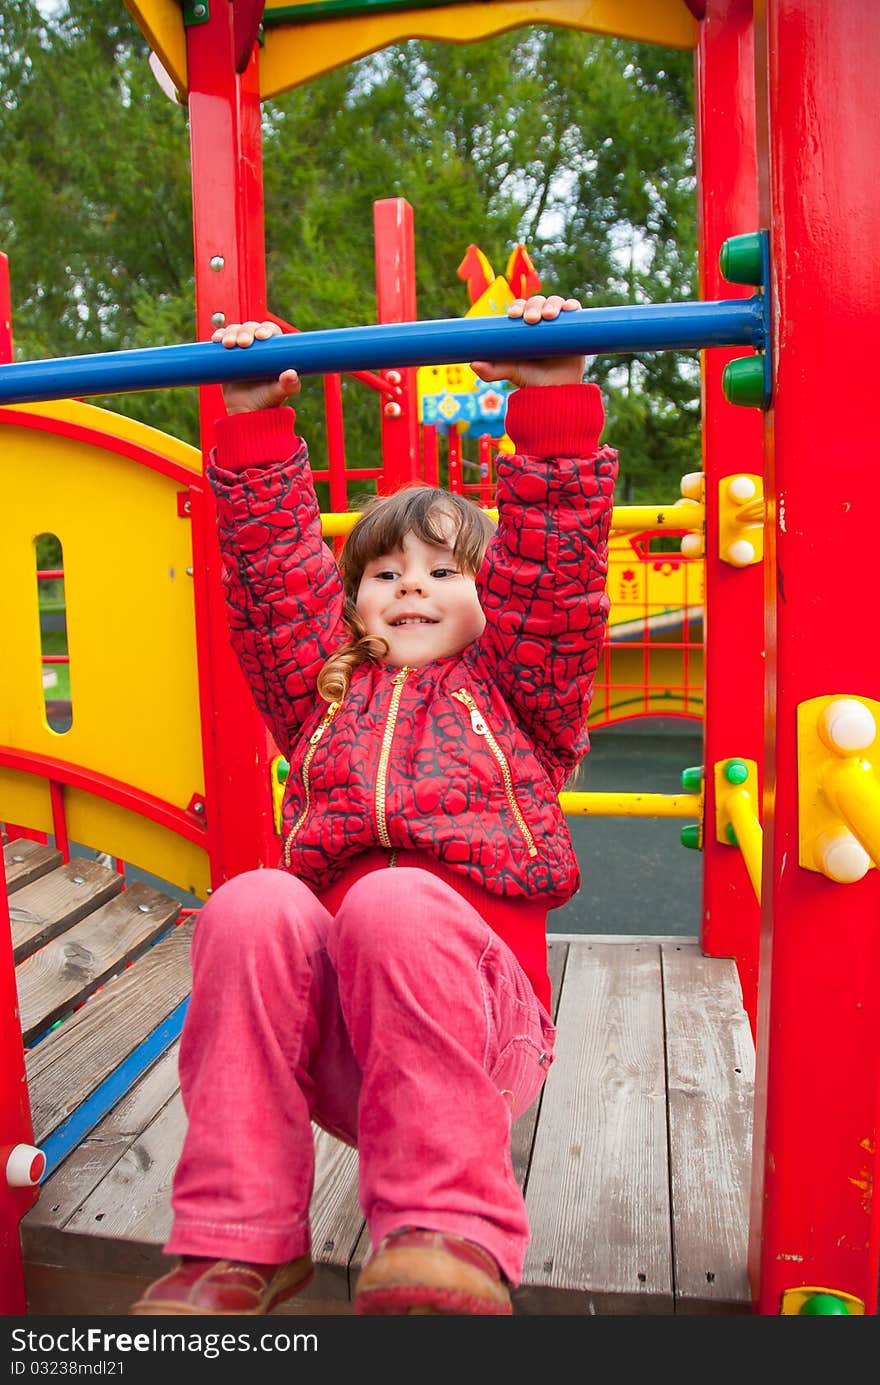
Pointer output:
245, 396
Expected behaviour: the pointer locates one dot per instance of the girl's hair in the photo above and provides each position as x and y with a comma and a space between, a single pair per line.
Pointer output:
383, 523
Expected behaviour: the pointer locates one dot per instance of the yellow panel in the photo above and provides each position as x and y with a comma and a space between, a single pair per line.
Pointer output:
116, 426
131, 627
24, 800
105, 826
161, 23
640, 588
297, 53
626, 696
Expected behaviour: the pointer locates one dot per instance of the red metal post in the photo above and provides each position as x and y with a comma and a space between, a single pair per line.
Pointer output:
15, 1121
229, 245
815, 1197
431, 454
395, 256
732, 443
486, 487
454, 462
336, 449
5, 311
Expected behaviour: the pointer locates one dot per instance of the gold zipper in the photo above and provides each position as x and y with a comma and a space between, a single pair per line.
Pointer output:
387, 736
481, 727
313, 745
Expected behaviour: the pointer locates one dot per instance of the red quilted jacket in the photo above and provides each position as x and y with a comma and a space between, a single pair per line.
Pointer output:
462, 758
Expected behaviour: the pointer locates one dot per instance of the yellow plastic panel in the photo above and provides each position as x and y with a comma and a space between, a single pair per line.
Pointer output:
24, 800
161, 23
116, 426
296, 53
130, 618
94, 822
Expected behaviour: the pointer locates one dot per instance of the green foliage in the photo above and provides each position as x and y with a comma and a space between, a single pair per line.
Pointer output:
581, 147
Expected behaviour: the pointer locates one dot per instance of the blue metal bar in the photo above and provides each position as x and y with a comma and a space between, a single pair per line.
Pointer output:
102, 1100
587, 331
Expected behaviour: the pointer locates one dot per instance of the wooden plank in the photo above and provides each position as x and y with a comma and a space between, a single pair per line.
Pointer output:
56, 901
336, 1218
81, 1172
52, 981
523, 1133
55, 1291
26, 861
67, 1066
126, 1219
91, 1293
597, 1192
711, 1076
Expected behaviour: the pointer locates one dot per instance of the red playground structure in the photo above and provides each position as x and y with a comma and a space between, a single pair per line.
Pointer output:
788, 797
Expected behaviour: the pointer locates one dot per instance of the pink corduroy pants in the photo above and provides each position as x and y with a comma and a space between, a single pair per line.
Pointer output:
402, 1024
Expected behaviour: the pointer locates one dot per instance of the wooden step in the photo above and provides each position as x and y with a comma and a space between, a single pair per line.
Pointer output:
55, 979
26, 861
67, 1066
46, 907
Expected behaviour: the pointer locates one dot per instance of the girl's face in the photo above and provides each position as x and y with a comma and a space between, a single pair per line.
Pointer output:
420, 602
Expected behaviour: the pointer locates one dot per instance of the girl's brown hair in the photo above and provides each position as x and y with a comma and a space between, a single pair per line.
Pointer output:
383, 523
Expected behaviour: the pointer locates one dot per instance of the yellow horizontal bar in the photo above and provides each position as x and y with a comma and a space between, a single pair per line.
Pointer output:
632, 805
749, 835
632, 519
852, 787
625, 519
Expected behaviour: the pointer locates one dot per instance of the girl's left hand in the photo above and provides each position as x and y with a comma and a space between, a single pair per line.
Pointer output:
542, 370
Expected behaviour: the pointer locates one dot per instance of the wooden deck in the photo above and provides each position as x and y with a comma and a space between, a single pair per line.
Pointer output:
635, 1159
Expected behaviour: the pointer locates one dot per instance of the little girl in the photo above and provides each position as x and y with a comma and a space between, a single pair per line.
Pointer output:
389, 981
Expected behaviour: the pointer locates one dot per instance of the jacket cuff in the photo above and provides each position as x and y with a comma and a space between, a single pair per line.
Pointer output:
255, 439
555, 420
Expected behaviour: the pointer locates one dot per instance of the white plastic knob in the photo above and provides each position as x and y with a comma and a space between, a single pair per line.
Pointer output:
393, 409
25, 1166
692, 485
692, 545
741, 553
841, 857
741, 489
847, 726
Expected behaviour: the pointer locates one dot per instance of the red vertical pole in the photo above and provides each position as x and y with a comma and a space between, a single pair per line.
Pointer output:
5, 311
226, 156
453, 457
485, 454
336, 450
431, 454
732, 443
815, 1210
15, 1121
396, 302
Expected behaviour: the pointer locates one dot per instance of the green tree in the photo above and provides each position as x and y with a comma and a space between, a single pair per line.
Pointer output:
578, 146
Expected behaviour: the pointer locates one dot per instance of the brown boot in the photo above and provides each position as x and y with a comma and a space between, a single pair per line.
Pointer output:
223, 1288
422, 1272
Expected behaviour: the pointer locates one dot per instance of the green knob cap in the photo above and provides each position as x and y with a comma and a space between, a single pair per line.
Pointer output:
736, 771
690, 836
730, 834
282, 769
824, 1303
742, 381
741, 260
692, 779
